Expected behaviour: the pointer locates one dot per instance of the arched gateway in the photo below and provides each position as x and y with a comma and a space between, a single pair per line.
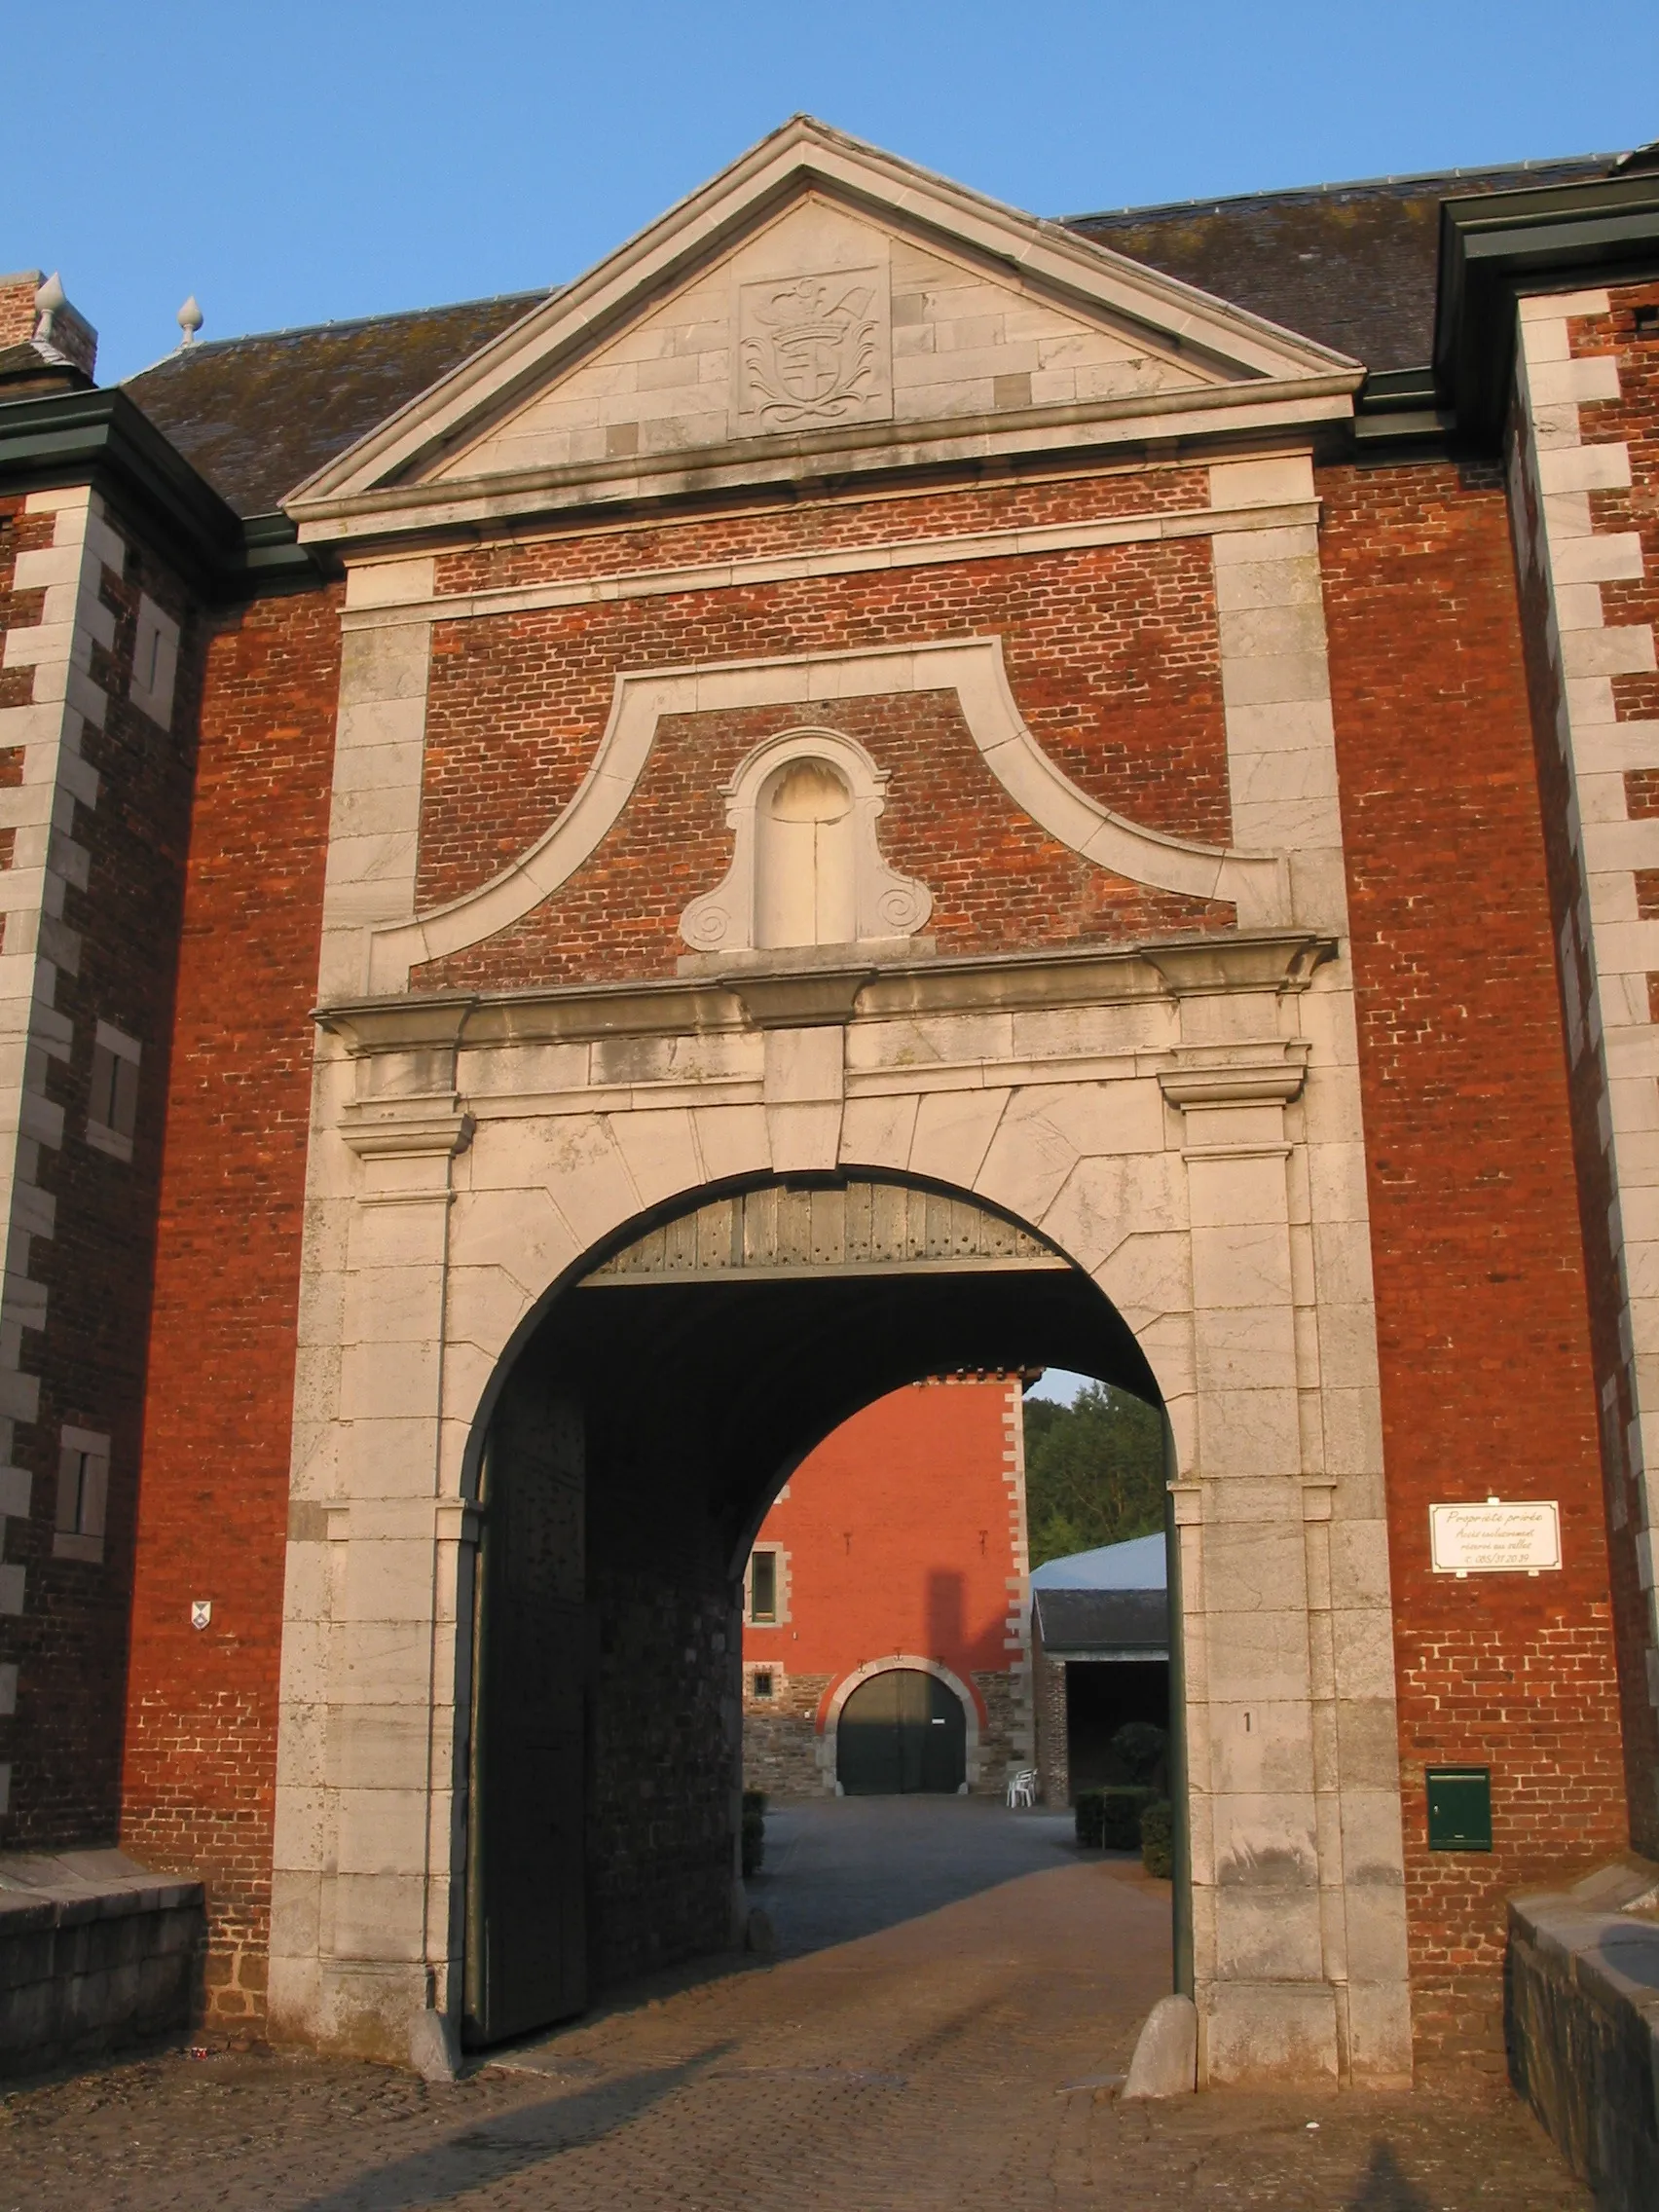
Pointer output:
643, 1421
839, 935
565, 1356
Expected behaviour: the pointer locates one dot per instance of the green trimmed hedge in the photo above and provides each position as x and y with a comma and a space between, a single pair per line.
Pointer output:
1158, 1839
1109, 1819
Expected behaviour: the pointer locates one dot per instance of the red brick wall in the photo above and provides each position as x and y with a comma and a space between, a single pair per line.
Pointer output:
996, 878
806, 525
18, 314
202, 1707
1482, 1320
1112, 652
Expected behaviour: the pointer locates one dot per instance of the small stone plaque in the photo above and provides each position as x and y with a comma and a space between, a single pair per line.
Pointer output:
1495, 1537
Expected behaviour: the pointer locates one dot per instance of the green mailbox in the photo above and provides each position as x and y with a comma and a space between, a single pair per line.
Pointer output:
1459, 1808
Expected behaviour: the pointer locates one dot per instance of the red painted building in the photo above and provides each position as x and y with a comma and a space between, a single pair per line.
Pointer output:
896, 1547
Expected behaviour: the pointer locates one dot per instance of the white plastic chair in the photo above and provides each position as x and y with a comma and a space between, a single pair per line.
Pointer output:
1023, 1788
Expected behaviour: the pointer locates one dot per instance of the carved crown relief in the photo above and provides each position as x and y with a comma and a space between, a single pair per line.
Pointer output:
820, 319
806, 868
813, 350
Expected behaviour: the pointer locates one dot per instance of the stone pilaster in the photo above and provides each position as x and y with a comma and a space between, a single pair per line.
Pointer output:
38, 945
1609, 940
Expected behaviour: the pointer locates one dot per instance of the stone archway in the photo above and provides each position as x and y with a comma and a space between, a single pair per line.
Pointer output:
641, 1424
1178, 1121
828, 1748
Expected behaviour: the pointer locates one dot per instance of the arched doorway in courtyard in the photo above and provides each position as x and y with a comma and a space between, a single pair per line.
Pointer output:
637, 1429
901, 1730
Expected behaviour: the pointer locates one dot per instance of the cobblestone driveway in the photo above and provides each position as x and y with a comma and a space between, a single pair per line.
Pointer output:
954, 2060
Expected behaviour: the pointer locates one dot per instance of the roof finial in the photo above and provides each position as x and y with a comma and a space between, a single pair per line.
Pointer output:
189, 321
47, 300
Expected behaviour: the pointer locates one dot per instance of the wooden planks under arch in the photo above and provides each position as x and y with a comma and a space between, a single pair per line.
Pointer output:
855, 1228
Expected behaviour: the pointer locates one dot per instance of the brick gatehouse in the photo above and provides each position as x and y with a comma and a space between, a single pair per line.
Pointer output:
877, 787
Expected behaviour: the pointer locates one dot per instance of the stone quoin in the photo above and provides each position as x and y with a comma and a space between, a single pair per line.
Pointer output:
877, 788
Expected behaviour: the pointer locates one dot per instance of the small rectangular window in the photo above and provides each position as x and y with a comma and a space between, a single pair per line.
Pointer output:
83, 1494
762, 1684
763, 1586
112, 1107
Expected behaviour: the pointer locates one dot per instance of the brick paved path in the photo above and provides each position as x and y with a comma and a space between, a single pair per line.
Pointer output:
952, 2061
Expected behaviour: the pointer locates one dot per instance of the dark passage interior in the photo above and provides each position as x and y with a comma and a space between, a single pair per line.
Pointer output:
1101, 1696
638, 1436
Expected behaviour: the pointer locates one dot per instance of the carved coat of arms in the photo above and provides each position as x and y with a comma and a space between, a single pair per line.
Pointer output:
812, 351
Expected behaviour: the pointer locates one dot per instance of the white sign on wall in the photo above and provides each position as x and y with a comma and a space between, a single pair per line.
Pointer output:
1495, 1539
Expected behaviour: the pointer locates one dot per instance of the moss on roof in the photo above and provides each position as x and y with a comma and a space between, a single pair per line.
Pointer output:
1352, 266
256, 416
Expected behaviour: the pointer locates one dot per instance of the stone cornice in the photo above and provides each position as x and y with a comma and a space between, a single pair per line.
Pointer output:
406, 514
1269, 1073
801, 996
892, 553
406, 1128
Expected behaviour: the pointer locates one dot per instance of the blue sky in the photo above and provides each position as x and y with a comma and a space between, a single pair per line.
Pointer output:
309, 162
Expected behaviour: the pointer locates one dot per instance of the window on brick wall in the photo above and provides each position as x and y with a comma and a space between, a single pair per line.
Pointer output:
764, 1587
83, 1494
762, 1682
112, 1111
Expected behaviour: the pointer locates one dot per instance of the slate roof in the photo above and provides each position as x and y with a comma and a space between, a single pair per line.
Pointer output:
1084, 1621
256, 416
1352, 266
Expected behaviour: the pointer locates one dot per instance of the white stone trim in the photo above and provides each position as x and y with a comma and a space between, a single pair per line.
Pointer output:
47, 859
1243, 414
886, 905
1018, 1624
155, 663
896, 1662
801, 156
1618, 949
1255, 882
377, 602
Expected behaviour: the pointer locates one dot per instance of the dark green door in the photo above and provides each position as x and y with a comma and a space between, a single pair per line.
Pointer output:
901, 1731
527, 1939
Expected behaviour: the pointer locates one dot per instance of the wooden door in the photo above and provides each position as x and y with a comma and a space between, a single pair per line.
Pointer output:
944, 1733
901, 1732
527, 1928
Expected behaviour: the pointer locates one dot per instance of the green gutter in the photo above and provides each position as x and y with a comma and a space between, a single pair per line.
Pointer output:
1497, 248
101, 438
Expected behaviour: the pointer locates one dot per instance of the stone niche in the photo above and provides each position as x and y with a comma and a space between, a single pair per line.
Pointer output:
806, 868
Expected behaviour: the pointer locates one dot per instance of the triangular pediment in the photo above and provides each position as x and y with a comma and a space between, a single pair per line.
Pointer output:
818, 291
